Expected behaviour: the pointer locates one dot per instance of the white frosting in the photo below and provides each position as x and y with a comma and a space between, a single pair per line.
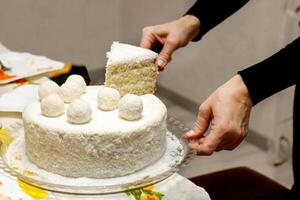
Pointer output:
52, 106
108, 98
125, 53
71, 90
17, 158
49, 87
77, 79
79, 112
107, 146
130, 107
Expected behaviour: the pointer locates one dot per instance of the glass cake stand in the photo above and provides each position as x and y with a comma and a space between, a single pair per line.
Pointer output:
175, 127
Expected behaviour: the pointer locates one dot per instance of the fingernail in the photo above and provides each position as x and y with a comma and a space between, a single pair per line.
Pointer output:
160, 63
160, 68
189, 134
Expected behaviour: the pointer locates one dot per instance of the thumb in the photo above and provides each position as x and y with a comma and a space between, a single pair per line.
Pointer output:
202, 123
166, 53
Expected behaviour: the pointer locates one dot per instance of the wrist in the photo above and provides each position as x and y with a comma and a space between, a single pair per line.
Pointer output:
241, 90
192, 23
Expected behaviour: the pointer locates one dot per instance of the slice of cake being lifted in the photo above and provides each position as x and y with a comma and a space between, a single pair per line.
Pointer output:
131, 69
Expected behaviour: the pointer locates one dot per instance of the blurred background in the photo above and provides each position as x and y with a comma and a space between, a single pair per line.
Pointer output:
81, 32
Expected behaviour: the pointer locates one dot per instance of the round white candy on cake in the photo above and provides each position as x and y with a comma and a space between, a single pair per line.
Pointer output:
77, 79
108, 98
48, 88
71, 91
52, 106
73, 88
79, 112
130, 107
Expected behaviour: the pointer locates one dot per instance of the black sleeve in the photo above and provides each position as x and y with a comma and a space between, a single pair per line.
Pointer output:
273, 74
211, 13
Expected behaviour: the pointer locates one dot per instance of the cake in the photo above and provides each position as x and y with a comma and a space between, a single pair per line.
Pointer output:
131, 69
99, 131
106, 146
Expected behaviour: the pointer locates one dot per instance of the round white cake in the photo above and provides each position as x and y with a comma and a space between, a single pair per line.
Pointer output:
106, 146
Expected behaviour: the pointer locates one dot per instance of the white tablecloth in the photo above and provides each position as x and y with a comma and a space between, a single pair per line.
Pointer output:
175, 187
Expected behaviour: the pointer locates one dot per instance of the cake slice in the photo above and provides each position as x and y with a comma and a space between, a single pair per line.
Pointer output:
131, 69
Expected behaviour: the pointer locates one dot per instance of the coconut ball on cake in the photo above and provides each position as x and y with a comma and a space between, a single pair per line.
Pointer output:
52, 106
48, 88
130, 107
108, 98
77, 79
73, 88
71, 91
79, 112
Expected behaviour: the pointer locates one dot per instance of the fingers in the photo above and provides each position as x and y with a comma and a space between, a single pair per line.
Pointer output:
165, 55
220, 138
151, 36
227, 145
202, 123
162, 34
207, 145
148, 39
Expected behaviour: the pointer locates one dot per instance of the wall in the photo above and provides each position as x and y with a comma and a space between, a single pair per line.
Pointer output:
78, 31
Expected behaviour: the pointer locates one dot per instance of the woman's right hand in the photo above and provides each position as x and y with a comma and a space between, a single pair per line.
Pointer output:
171, 35
227, 112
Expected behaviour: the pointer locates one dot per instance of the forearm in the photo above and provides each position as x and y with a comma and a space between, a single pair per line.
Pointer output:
273, 74
211, 13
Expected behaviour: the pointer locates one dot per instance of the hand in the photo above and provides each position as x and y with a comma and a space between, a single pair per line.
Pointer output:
172, 36
227, 110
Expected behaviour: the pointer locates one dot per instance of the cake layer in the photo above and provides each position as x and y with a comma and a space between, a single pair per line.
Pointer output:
124, 53
137, 77
106, 146
131, 69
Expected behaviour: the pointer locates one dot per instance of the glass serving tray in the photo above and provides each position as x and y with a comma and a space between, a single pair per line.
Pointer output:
175, 127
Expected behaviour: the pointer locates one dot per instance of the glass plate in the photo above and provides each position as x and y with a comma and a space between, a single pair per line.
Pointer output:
174, 126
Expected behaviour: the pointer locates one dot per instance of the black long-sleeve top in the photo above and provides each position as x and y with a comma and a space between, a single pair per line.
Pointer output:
265, 78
